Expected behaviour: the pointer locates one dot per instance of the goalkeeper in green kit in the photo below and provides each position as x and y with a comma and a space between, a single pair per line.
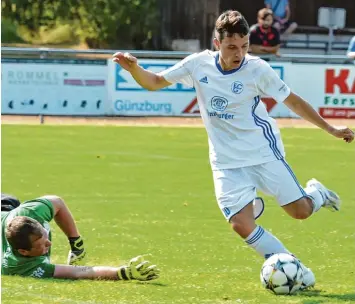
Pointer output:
26, 244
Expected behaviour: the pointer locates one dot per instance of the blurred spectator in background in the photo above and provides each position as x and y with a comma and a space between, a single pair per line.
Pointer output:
282, 14
264, 38
351, 49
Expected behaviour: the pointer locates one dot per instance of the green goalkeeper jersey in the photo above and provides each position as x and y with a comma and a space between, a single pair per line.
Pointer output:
12, 263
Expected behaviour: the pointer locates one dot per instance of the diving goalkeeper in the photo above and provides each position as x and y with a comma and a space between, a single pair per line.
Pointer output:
26, 244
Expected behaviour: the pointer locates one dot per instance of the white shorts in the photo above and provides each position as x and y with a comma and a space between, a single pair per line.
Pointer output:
236, 188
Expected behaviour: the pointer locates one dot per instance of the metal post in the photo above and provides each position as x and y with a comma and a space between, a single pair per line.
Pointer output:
332, 23
330, 40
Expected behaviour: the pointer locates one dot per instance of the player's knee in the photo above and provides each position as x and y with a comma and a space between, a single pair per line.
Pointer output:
300, 209
277, 25
293, 26
238, 228
301, 214
242, 226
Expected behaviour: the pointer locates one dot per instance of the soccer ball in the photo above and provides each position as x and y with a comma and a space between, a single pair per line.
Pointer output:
282, 274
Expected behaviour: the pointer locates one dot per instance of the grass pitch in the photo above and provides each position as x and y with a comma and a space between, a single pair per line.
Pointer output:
142, 190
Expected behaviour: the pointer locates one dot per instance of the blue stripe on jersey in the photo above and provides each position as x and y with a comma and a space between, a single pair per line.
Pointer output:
267, 130
230, 71
294, 177
256, 236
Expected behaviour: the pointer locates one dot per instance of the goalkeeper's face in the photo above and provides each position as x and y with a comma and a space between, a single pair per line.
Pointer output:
40, 245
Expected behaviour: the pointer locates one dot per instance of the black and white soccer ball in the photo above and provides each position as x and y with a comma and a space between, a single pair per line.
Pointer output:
282, 274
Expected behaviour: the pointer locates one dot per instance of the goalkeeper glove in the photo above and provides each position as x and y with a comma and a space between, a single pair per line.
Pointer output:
138, 269
77, 252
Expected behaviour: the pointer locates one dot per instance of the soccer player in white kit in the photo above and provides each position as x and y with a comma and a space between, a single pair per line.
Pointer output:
246, 150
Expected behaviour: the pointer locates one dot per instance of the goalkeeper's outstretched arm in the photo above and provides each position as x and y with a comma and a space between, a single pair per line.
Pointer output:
85, 272
137, 269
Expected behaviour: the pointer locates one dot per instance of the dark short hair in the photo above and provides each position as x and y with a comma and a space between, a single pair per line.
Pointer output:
229, 23
19, 230
264, 13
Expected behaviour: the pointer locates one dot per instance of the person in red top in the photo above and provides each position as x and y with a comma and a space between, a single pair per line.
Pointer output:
264, 38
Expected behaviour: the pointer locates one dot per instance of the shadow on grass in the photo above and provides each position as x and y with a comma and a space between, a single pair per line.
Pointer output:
152, 283
324, 297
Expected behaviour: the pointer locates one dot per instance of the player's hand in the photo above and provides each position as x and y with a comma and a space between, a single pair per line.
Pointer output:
138, 269
345, 133
76, 258
125, 60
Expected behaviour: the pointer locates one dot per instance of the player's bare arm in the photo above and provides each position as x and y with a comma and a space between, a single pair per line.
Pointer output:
306, 111
85, 272
257, 49
137, 269
272, 49
144, 78
66, 223
63, 216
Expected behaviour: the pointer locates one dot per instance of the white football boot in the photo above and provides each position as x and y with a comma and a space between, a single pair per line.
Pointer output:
331, 199
309, 280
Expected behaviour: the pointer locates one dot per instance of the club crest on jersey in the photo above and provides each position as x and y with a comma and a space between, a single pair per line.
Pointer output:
219, 103
237, 87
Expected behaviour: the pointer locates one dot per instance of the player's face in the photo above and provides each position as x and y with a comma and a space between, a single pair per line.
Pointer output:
232, 51
40, 245
267, 22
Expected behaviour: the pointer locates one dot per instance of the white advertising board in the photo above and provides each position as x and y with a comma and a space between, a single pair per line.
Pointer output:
101, 87
128, 98
329, 88
54, 87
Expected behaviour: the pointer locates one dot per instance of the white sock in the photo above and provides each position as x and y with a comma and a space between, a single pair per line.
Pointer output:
316, 196
265, 243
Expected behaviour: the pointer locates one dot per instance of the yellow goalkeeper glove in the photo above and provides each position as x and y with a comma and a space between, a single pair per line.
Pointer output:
138, 269
77, 252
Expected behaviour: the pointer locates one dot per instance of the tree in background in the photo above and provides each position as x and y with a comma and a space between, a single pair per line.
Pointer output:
98, 23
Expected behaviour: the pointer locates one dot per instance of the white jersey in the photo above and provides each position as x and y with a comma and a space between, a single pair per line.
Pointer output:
239, 129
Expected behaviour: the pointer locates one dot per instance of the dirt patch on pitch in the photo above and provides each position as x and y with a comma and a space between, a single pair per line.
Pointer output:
148, 121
